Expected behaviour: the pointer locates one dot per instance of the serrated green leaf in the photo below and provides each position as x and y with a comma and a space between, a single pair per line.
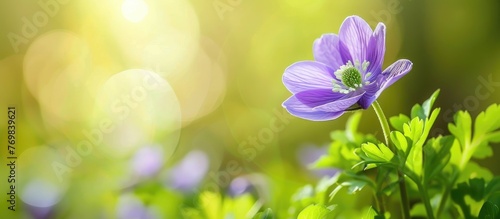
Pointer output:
428, 123
414, 129
462, 128
483, 151
473, 170
399, 140
380, 153
489, 211
314, 212
398, 121
487, 120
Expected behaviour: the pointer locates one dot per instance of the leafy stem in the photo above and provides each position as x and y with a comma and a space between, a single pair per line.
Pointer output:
402, 184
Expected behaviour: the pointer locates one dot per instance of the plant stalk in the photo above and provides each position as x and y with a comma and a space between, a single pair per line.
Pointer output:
402, 184
426, 200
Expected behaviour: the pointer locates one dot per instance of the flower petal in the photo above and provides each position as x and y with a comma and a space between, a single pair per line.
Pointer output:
298, 109
390, 75
307, 75
355, 34
370, 90
394, 72
341, 104
327, 50
376, 51
314, 98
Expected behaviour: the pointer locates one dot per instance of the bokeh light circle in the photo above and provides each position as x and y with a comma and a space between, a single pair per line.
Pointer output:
43, 182
140, 108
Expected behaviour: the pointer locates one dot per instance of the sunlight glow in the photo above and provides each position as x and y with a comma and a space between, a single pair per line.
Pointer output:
134, 10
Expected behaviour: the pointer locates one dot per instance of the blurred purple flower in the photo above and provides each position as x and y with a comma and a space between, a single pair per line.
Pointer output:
130, 207
240, 186
346, 74
148, 161
252, 183
40, 212
309, 154
189, 172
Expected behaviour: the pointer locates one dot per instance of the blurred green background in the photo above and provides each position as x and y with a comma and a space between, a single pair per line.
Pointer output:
75, 68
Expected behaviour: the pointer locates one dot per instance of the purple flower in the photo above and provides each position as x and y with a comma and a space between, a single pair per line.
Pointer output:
346, 74
189, 172
148, 161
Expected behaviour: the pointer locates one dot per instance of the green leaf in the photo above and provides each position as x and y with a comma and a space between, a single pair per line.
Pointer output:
437, 155
489, 211
414, 129
493, 186
473, 170
398, 121
424, 111
483, 151
418, 210
458, 196
417, 112
340, 153
314, 212
427, 105
476, 144
476, 186
471, 192
370, 213
487, 121
352, 126
353, 182
399, 140
462, 129
267, 214
376, 154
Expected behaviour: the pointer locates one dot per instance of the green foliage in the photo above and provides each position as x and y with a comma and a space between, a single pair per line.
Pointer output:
442, 179
340, 154
480, 192
214, 205
314, 212
476, 143
434, 165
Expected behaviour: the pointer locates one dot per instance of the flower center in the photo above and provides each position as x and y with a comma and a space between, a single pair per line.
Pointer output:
351, 77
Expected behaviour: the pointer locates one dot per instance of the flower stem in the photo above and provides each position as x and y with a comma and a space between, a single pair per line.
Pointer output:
426, 200
402, 184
